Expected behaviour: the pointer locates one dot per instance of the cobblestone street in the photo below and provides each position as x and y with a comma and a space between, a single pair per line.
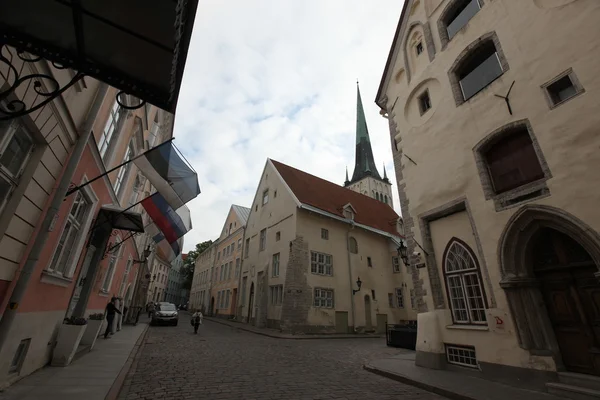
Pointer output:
222, 362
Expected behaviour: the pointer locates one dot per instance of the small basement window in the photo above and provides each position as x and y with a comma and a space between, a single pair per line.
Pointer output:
461, 355
562, 88
424, 102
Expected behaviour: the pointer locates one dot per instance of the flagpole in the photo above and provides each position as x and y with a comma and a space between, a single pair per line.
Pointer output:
132, 234
119, 213
76, 188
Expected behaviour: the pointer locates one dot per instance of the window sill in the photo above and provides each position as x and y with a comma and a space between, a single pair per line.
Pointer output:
560, 103
483, 328
53, 278
103, 293
515, 197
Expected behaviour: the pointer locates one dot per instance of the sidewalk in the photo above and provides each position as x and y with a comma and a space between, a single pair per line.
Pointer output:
278, 335
453, 385
96, 375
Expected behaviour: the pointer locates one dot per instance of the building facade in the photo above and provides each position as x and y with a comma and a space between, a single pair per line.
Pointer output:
492, 108
308, 244
174, 291
202, 280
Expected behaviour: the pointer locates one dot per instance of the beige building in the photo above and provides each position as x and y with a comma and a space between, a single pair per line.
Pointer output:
493, 113
308, 242
202, 279
227, 264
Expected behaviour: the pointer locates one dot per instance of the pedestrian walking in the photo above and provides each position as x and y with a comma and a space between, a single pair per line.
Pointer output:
111, 310
150, 309
196, 320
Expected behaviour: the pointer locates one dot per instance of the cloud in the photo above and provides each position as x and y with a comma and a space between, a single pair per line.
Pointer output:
277, 79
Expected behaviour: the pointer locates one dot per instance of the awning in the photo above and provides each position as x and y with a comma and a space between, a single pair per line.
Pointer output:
137, 46
120, 219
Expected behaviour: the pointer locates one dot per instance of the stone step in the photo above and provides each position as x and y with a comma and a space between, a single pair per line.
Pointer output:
579, 380
572, 392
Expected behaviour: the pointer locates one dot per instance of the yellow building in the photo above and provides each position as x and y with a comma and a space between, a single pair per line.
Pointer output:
492, 107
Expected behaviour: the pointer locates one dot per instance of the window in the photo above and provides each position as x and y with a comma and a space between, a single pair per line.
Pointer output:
321, 264
512, 161
265, 197
247, 248
276, 294
237, 267
424, 106
275, 264
109, 129
217, 276
239, 244
463, 284
219, 299
16, 145
396, 264
222, 276
369, 262
391, 300
227, 298
562, 88
323, 298
219, 255
263, 239
373, 294
419, 48
123, 171
275, 194
277, 236
480, 67
353, 245
153, 134
324, 234
244, 282
19, 357
459, 15
110, 271
64, 255
413, 300
256, 207
461, 355
399, 298
121, 291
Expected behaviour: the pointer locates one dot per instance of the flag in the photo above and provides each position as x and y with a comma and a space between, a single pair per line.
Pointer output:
169, 174
165, 250
172, 224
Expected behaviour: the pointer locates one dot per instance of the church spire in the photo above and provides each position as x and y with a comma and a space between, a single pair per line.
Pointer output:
347, 180
364, 162
385, 178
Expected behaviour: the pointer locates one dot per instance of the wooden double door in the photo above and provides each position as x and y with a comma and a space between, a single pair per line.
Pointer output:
571, 293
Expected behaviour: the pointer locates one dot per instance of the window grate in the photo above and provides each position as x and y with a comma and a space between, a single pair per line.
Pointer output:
461, 355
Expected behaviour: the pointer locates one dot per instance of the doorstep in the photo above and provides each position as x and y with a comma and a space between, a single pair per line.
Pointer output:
96, 375
451, 384
278, 335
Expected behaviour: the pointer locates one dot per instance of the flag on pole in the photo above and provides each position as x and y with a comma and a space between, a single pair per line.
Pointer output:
165, 250
173, 224
168, 172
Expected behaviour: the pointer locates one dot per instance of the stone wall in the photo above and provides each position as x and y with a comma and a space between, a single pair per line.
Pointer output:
297, 297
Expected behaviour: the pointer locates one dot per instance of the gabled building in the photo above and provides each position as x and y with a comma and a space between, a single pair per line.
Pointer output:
202, 279
308, 243
493, 115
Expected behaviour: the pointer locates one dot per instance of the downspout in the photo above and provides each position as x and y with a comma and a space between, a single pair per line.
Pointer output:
57, 201
350, 275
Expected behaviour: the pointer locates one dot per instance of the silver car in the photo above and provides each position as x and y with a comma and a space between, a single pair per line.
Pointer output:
165, 314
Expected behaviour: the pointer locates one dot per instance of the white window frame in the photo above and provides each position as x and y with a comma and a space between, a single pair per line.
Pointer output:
263, 239
238, 264
153, 134
396, 264
275, 265
265, 196
108, 133
13, 127
69, 270
112, 267
322, 299
324, 234
124, 170
321, 263
276, 295
125, 276
399, 295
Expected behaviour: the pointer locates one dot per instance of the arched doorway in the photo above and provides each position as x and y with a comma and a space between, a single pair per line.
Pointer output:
549, 261
250, 303
368, 319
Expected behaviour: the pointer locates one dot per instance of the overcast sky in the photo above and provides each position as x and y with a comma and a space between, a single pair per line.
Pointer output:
277, 79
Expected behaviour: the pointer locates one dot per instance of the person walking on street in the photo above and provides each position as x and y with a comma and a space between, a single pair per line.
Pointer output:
150, 309
111, 310
196, 320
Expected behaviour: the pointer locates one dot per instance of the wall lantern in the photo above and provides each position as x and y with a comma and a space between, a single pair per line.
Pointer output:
358, 283
403, 253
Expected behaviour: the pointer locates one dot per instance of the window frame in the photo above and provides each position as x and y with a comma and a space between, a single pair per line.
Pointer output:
276, 295
352, 249
443, 24
265, 197
324, 234
420, 99
569, 73
14, 127
399, 297
326, 271
320, 298
396, 267
112, 267
262, 240
275, 264
419, 48
115, 117
475, 271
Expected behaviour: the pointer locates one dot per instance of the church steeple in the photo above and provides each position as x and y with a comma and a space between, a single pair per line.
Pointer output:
364, 163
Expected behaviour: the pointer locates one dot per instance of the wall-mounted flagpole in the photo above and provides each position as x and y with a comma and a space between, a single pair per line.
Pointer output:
76, 188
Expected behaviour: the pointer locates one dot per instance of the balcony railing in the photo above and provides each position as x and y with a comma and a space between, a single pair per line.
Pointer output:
463, 18
484, 74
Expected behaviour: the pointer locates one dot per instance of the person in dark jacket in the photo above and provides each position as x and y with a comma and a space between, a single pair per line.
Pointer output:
111, 310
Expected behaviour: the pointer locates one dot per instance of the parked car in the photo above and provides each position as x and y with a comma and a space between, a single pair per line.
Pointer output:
165, 314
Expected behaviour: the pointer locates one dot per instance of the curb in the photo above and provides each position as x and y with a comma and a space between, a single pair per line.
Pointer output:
132, 361
275, 336
421, 385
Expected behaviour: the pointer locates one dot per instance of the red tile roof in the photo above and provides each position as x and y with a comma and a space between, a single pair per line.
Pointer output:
329, 197
183, 256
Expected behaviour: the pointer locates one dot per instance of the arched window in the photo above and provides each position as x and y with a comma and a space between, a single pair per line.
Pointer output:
463, 284
377, 195
386, 199
352, 245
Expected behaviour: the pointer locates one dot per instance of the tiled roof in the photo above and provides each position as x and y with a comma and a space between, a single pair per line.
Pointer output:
183, 256
329, 197
242, 212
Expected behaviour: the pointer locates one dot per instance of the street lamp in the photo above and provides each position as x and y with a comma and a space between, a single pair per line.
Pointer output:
359, 284
403, 253
146, 254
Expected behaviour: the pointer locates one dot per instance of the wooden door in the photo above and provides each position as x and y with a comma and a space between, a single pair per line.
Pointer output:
572, 296
368, 319
341, 322
382, 320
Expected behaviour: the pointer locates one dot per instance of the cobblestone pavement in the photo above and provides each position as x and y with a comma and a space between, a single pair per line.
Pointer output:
222, 362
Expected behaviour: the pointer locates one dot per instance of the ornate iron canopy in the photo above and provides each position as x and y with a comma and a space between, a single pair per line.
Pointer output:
137, 46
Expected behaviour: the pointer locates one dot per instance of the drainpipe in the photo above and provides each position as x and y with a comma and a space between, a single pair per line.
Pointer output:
57, 201
350, 274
